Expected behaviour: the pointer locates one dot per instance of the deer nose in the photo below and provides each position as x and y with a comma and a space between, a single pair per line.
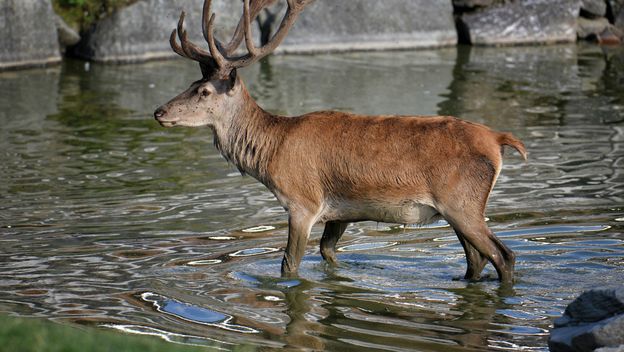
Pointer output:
160, 112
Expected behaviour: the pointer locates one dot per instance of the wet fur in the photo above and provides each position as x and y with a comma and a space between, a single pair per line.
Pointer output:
334, 168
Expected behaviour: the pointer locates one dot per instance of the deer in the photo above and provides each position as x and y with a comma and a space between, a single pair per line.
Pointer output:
336, 168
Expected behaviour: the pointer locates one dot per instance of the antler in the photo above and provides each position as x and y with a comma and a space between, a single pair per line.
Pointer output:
237, 38
218, 62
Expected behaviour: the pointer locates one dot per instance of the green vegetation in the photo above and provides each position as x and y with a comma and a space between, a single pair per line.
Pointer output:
82, 14
36, 335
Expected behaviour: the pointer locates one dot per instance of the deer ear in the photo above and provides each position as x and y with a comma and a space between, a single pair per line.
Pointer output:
231, 82
206, 70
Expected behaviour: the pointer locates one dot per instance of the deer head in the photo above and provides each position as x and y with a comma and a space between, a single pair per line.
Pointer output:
220, 92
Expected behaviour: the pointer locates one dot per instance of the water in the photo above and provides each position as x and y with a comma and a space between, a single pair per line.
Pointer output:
109, 220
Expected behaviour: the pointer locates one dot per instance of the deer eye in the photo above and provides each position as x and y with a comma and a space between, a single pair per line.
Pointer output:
204, 93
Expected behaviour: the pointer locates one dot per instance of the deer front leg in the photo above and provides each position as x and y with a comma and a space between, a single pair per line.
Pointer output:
299, 226
332, 233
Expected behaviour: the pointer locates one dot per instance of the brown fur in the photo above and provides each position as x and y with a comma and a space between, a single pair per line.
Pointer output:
333, 167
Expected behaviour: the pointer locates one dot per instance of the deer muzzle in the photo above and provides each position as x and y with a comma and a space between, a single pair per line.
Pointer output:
162, 117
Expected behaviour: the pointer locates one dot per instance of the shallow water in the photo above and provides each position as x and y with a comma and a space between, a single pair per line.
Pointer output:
109, 220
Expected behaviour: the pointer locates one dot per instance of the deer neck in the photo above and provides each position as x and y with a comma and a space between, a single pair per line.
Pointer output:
249, 137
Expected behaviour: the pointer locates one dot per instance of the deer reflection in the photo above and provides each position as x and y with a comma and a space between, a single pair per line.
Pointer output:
322, 320
302, 330
478, 309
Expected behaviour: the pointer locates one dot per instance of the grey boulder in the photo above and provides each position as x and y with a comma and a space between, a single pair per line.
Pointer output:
594, 7
521, 22
27, 38
328, 25
594, 320
141, 31
473, 3
618, 15
591, 27
67, 36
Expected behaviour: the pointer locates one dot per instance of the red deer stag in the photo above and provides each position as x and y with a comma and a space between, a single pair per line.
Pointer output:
334, 167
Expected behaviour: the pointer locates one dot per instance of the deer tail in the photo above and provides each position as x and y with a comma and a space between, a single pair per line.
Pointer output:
510, 140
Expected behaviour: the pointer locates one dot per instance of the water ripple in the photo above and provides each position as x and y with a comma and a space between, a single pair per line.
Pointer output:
99, 203
171, 337
194, 314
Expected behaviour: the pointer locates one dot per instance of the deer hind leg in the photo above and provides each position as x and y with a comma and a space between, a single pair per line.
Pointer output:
299, 226
477, 234
474, 260
332, 233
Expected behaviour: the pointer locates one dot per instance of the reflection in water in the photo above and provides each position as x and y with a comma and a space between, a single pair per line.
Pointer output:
253, 251
303, 330
109, 220
194, 313
171, 337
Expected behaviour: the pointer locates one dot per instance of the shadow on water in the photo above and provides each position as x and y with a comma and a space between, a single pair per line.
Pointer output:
109, 220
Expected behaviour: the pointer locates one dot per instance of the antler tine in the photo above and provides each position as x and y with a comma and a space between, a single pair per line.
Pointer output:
174, 44
222, 63
255, 7
218, 59
255, 54
247, 25
208, 31
294, 9
190, 50
172, 38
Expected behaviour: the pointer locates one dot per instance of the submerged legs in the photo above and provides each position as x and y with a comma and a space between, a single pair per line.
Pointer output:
299, 227
479, 244
332, 233
298, 233
478, 241
474, 260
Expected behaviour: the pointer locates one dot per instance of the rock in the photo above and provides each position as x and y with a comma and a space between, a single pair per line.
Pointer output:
141, 31
594, 320
597, 8
611, 349
610, 36
470, 4
27, 38
473, 3
522, 21
618, 20
328, 25
67, 36
591, 27
610, 334
615, 7
592, 306
607, 333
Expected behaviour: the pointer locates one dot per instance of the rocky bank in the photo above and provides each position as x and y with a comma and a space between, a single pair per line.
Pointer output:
28, 34
592, 322
34, 35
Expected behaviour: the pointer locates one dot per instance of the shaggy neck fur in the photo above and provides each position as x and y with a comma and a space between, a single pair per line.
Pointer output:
249, 138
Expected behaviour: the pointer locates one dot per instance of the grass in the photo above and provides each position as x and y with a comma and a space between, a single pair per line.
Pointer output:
82, 14
37, 335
